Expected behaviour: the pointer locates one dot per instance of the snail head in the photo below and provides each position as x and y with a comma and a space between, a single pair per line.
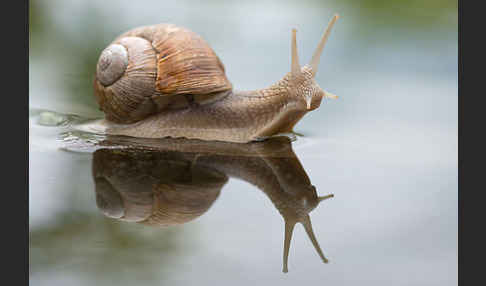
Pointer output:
302, 83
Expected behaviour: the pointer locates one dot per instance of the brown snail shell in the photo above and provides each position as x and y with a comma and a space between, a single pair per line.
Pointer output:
151, 68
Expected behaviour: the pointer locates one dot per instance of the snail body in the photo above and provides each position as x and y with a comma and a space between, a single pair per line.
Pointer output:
166, 81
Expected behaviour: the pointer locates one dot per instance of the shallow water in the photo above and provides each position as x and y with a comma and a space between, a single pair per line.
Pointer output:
386, 149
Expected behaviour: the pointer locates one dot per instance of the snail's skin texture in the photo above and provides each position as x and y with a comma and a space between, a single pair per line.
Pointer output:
165, 81
237, 117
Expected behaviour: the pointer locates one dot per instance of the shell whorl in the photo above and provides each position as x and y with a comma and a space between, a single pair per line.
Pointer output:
125, 91
112, 64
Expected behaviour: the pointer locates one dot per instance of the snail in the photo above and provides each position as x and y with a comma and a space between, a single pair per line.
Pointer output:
173, 181
166, 81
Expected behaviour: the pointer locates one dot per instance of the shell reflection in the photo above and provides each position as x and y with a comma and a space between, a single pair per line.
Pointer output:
152, 187
173, 181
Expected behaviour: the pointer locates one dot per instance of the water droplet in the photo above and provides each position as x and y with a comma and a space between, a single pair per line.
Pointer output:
49, 118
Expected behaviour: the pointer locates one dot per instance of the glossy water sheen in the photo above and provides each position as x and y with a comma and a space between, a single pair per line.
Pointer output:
386, 149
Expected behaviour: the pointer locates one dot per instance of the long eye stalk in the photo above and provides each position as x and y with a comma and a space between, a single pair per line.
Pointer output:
314, 63
295, 68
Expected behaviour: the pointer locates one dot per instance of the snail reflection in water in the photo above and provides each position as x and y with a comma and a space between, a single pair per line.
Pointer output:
173, 181
166, 81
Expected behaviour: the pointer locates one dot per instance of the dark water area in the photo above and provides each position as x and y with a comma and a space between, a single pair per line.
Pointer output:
107, 210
